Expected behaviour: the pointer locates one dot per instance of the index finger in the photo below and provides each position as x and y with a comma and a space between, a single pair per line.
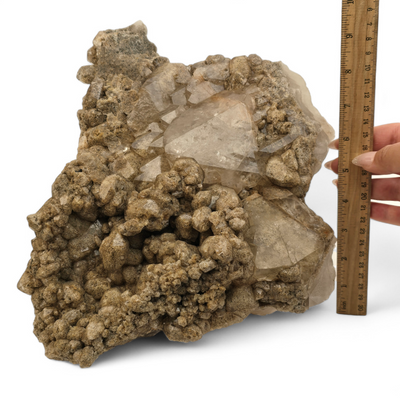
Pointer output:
385, 135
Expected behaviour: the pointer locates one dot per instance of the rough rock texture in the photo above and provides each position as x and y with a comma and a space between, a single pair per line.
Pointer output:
184, 210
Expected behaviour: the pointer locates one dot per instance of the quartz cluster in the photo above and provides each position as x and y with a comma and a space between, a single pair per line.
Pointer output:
184, 210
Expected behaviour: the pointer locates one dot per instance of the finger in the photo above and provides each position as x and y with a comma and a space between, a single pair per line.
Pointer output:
334, 145
385, 135
385, 213
332, 165
383, 161
385, 189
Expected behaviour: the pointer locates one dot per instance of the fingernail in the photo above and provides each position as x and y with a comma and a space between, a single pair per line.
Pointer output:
332, 145
364, 160
328, 165
335, 182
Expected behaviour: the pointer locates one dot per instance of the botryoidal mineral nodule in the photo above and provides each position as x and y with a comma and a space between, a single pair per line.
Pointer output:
184, 210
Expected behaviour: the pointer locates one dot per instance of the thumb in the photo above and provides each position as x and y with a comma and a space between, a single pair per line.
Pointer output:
383, 161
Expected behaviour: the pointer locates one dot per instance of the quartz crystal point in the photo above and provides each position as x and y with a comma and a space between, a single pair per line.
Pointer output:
184, 210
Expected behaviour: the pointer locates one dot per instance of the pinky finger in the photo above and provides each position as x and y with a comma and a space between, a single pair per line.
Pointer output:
385, 213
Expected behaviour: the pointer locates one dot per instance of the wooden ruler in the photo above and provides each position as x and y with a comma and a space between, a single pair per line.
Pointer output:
357, 97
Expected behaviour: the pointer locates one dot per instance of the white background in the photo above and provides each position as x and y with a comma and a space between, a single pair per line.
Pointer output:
316, 355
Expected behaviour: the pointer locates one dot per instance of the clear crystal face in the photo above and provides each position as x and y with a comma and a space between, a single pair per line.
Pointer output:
217, 133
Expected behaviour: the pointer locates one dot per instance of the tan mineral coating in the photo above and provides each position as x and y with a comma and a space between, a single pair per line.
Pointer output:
184, 210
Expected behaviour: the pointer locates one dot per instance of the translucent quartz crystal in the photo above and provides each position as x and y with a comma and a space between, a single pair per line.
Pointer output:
279, 240
218, 133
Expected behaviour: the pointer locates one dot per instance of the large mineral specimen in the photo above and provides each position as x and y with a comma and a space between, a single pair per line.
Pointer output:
184, 210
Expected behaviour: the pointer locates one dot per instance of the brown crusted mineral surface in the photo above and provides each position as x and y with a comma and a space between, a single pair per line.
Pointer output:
184, 210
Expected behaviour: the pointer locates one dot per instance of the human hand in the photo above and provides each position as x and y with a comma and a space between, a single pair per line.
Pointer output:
385, 159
